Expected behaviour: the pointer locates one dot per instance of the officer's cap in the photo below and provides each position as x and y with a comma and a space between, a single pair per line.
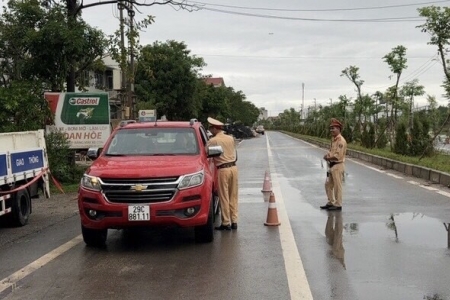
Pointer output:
215, 123
335, 123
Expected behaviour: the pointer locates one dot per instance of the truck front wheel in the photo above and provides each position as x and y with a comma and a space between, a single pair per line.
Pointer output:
94, 237
21, 208
205, 233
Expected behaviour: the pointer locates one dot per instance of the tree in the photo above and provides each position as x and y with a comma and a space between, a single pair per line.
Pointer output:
401, 140
290, 119
368, 136
352, 73
36, 44
379, 100
170, 74
73, 11
381, 140
214, 101
437, 25
240, 109
409, 90
419, 138
396, 59
344, 103
22, 107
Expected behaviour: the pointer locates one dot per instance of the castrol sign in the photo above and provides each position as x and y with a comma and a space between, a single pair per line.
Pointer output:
84, 101
83, 118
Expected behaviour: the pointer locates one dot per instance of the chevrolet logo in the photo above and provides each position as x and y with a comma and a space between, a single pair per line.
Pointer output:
138, 187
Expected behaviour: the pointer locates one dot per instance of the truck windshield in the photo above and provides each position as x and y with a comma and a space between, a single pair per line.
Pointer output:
153, 141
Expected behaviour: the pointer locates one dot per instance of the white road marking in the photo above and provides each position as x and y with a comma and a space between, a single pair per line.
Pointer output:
447, 194
297, 281
413, 182
393, 175
11, 281
433, 189
430, 188
368, 167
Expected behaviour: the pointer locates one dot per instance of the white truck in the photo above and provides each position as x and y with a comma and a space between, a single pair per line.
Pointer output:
23, 172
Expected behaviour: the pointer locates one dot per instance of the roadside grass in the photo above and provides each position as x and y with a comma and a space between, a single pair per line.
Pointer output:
438, 161
66, 187
71, 182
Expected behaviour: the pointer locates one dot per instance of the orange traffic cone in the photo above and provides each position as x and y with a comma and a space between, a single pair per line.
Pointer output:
272, 214
267, 187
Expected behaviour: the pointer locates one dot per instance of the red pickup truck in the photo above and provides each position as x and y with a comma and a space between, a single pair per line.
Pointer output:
151, 174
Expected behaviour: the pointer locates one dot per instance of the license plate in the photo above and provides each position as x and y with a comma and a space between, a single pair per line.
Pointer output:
138, 213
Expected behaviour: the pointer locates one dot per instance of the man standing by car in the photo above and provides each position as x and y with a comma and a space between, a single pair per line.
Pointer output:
227, 175
335, 159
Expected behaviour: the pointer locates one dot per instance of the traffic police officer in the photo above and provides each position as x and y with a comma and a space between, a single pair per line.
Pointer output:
227, 175
335, 159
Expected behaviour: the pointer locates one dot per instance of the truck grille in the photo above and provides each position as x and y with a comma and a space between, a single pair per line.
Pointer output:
148, 190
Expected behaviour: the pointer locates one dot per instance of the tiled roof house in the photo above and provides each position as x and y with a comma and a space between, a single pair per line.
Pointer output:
215, 81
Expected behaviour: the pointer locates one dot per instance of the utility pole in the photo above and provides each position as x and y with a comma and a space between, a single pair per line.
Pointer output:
123, 61
130, 92
303, 100
71, 23
411, 108
315, 109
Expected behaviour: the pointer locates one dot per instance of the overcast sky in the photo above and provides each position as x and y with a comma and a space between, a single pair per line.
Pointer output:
269, 49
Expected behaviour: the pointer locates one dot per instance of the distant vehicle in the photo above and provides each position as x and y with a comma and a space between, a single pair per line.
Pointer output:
260, 129
151, 174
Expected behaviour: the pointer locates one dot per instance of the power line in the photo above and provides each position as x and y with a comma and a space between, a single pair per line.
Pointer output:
424, 71
299, 57
418, 71
377, 20
318, 10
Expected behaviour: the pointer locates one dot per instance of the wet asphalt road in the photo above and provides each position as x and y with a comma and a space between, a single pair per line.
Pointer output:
389, 242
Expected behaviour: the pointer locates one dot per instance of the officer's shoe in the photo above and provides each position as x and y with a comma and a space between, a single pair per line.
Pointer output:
223, 227
233, 225
326, 206
333, 207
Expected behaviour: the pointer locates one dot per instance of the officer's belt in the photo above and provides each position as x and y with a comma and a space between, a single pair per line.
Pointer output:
332, 163
226, 165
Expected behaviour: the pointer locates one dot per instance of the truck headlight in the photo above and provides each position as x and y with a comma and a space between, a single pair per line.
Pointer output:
91, 182
191, 180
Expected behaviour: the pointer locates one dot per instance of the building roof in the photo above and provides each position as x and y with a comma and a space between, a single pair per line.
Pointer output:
215, 81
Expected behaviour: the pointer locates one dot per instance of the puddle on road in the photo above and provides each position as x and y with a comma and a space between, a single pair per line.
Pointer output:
413, 229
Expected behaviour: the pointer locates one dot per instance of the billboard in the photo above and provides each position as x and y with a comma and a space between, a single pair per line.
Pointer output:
84, 118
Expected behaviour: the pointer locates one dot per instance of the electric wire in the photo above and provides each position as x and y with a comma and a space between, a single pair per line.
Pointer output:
376, 20
409, 77
319, 10
414, 74
301, 57
422, 72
